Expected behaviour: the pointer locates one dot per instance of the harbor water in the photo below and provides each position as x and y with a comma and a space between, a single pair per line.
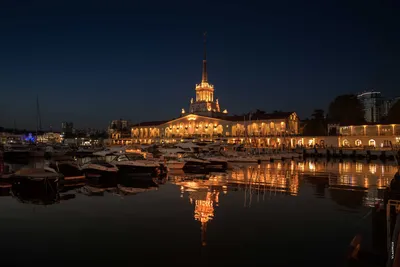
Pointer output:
273, 214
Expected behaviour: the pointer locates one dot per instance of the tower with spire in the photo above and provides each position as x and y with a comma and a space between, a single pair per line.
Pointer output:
205, 104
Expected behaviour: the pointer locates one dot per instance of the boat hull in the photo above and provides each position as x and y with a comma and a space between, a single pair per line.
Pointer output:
175, 165
217, 165
138, 171
94, 173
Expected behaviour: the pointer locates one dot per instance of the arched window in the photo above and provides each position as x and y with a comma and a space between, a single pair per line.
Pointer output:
358, 142
345, 143
372, 142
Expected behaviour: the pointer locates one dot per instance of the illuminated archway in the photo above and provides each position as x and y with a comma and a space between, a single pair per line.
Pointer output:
358, 142
345, 142
300, 142
372, 142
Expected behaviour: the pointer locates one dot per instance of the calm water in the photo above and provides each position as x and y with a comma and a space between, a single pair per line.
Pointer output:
277, 214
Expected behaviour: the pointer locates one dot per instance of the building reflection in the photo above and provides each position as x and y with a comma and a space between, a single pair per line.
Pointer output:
350, 184
204, 190
204, 202
369, 179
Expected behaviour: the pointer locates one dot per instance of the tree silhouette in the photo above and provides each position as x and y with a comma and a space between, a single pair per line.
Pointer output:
394, 113
346, 110
317, 124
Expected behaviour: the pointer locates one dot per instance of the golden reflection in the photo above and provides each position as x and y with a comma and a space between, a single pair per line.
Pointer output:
301, 166
311, 166
359, 167
366, 184
256, 182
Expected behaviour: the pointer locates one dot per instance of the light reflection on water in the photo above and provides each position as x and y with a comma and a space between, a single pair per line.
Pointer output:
272, 214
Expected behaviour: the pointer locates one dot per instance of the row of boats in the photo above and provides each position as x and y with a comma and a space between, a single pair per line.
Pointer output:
147, 161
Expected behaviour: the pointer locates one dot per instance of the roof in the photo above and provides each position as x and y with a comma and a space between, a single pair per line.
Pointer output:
150, 123
259, 116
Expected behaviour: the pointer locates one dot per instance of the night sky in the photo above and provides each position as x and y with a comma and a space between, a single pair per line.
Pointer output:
93, 61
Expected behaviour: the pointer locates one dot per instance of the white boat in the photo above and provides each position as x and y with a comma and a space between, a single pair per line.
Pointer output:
135, 165
172, 162
175, 164
99, 167
216, 161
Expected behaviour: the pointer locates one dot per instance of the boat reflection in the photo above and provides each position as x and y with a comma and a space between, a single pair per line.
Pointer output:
129, 186
37, 196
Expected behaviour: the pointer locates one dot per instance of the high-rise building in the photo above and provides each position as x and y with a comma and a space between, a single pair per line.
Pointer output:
376, 106
67, 128
373, 103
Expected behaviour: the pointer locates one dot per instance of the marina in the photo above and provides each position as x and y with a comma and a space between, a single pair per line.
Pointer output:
200, 134
206, 212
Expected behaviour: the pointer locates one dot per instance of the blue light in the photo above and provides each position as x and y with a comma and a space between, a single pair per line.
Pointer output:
30, 138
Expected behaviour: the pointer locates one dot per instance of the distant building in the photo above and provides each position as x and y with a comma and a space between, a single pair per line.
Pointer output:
120, 130
376, 106
67, 128
119, 125
373, 103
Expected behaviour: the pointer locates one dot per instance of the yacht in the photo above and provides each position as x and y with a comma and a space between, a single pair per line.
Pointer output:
55, 151
193, 163
99, 167
217, 161
132, 164
69, 169
35, 175
173, 162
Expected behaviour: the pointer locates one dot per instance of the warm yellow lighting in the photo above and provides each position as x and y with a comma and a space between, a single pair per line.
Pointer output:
372, 168
311, 166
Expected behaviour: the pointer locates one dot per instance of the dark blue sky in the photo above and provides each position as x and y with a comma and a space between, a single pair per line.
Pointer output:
94, 61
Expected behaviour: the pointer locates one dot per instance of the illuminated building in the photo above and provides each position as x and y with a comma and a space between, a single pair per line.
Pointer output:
49, 137
119, 132
206, 120
378, 135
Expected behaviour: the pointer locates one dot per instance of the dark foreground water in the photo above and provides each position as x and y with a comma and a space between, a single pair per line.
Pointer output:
279, 214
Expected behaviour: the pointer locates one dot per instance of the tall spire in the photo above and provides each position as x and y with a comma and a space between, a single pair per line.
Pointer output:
204, 76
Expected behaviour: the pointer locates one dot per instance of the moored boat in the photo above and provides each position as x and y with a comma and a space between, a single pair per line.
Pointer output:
98, 167
135, 165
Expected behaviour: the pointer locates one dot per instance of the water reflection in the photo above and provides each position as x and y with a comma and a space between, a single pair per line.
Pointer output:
349, 184
245, 209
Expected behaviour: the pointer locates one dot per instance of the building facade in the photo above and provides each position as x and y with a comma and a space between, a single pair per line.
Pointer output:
377, 136
206, 121
265, 129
